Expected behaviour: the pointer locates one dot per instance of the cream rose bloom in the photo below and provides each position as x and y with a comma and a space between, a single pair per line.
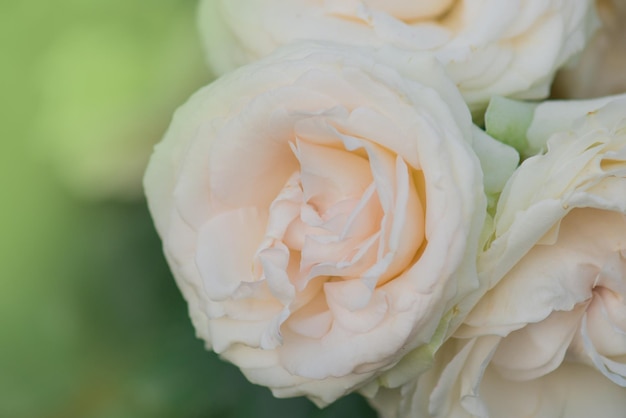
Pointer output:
489, 47
549, 339
321, 213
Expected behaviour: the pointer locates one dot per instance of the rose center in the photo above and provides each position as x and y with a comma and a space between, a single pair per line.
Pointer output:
326, 220
602, 333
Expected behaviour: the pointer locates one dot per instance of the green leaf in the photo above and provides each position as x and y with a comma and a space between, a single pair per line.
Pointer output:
508, 120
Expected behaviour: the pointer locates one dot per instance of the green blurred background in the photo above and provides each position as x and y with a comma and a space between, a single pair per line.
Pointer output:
91, 322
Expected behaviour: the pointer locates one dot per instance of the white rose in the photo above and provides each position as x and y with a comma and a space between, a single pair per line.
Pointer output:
320, 212
555, 321
489, 47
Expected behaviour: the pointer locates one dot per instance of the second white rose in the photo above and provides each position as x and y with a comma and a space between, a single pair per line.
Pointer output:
488, 47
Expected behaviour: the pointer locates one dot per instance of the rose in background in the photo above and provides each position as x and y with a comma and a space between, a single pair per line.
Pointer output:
321, 210
548, 339
488, 47
601, 68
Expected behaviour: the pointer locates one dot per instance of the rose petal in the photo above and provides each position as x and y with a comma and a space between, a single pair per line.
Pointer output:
223, 242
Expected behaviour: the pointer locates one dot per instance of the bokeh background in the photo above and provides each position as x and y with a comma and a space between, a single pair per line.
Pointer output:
91, 322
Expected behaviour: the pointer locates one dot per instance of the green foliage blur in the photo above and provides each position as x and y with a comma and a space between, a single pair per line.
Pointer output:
91, 322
